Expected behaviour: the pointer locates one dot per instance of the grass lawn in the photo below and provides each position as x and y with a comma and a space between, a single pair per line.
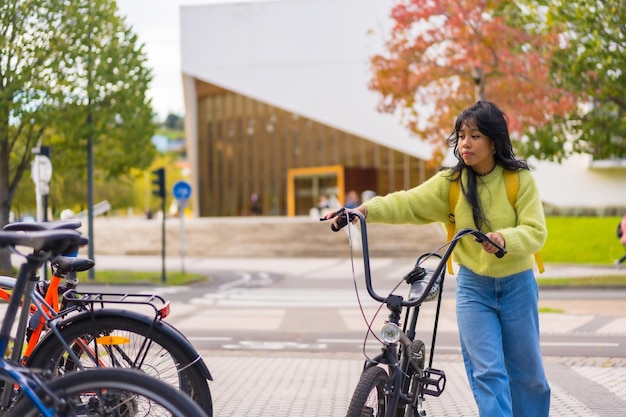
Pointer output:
582, 240
148, 278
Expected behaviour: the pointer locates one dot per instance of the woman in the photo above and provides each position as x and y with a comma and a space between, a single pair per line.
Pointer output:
497, 298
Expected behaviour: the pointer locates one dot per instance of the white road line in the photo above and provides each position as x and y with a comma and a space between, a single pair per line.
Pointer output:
242, 297
245, 278
209, 339
578, 344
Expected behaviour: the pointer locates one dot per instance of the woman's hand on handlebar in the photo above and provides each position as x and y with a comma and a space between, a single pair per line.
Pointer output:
497, 238
339, 216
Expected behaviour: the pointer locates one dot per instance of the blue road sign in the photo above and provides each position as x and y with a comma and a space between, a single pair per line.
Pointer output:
181, 190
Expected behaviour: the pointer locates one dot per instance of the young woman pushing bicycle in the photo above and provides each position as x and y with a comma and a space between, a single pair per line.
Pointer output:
496, 298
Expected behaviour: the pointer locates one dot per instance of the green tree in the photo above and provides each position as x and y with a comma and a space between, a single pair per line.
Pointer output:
174, 122
590, 62
72, 73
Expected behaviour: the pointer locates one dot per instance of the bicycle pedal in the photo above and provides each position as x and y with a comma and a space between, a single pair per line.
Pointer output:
434, 382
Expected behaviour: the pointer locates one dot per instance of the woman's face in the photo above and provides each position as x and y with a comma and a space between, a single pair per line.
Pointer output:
476, 149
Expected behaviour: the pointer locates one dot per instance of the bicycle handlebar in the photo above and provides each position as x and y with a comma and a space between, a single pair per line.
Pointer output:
347, 215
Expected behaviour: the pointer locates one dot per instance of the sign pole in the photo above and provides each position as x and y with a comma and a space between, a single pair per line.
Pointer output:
182, 191
181, 208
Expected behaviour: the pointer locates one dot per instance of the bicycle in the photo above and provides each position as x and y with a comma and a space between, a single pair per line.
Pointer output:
395, 382
96, 392
87, 325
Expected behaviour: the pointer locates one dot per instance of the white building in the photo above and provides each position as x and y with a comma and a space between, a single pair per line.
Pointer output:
311, 57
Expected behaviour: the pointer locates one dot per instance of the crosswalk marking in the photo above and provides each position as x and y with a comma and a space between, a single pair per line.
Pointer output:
285, 298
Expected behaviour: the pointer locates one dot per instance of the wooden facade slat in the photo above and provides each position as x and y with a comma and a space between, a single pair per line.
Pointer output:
246, 146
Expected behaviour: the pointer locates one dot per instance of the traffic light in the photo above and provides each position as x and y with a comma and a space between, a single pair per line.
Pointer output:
159, 182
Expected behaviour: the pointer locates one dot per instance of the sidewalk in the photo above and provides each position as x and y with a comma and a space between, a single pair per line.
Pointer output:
283, 383
321, 384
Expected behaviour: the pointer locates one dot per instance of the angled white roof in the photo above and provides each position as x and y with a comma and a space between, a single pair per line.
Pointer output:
310, 57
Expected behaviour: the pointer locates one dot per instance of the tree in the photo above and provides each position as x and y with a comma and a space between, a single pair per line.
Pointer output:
174, 122
442, 56
591, 61
71, 73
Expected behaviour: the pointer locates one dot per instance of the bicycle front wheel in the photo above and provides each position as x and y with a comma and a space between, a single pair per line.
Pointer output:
111, 392
119, 341
369, 395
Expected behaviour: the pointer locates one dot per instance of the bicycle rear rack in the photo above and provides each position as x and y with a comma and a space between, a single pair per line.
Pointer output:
434, 382
91, 300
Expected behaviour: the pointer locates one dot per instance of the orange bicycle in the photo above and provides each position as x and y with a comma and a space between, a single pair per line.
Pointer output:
65, 330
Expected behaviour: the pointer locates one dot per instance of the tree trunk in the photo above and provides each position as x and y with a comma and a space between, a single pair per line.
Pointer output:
479, 82
5, 254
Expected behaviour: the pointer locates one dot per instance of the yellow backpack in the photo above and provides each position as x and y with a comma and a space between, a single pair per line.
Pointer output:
511, 183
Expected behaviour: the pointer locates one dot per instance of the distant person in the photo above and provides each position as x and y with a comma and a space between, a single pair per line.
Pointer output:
352, 200
621, 234
255, 205
322, 205
367, 195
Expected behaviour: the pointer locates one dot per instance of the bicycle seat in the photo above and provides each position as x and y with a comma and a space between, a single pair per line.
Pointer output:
53, 225
53, 241
65, 264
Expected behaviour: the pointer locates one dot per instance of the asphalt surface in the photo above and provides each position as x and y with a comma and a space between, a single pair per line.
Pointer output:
273, 381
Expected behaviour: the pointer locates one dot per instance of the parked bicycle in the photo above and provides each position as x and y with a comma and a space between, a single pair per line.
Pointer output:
395, 382
99, 330
96, 392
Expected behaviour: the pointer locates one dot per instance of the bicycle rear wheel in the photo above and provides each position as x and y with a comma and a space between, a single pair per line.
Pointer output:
369, 395
112, 392
119, 341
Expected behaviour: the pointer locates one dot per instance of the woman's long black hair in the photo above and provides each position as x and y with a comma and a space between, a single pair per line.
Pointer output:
491, 122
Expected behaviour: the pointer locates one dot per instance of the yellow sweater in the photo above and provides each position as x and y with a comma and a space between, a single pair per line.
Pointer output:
523, 228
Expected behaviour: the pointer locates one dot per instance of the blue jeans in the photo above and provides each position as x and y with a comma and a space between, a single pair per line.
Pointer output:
499, 328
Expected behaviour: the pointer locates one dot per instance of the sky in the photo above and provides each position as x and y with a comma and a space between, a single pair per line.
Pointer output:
157, 24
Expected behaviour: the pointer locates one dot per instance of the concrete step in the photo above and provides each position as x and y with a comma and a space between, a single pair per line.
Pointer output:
255, 237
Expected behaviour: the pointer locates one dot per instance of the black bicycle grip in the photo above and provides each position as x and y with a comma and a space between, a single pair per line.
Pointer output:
501, 251
342, 221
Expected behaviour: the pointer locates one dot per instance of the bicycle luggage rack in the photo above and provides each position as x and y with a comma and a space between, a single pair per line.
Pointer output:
434, 385
89, 300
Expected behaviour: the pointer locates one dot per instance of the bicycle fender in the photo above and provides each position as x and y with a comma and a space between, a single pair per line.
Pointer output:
192, 355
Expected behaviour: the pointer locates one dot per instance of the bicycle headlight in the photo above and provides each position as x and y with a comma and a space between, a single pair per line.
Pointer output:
390, 333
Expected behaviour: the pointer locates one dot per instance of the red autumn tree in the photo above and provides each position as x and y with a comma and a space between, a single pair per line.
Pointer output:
444, 55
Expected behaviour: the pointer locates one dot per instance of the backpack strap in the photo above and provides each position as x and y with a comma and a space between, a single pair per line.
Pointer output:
453, 198
511, 183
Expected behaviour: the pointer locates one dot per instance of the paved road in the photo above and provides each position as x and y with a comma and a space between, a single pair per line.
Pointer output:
264, 328
264, 332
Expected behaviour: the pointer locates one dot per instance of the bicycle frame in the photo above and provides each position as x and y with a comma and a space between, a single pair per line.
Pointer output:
48, 243
9, 373
132, 347
48, 308
403, 355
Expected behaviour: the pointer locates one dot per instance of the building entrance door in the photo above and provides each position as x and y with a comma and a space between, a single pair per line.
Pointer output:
309, 186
